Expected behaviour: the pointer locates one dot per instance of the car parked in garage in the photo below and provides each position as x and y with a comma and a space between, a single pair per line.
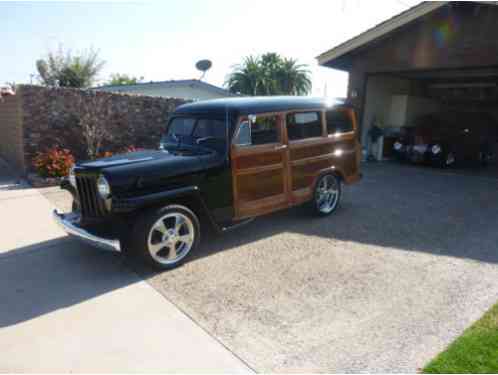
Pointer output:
221, 163
449, 138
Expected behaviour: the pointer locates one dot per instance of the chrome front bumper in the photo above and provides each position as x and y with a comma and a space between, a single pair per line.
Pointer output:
69, 222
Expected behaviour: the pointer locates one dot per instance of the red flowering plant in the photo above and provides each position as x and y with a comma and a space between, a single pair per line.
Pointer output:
55, 162
132, 149
106, 154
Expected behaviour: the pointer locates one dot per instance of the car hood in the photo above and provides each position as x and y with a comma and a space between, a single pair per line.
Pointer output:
143, 168
125, 159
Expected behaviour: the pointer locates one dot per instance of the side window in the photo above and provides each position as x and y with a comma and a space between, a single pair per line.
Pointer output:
339, 121
260, 131
264, 130
304, 125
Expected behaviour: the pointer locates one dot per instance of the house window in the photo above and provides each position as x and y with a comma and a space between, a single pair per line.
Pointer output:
339, 121
304, 125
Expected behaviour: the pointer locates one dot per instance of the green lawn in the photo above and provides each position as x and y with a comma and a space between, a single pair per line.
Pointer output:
476, 351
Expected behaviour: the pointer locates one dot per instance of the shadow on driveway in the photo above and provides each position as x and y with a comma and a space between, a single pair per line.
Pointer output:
56, 274
395, 206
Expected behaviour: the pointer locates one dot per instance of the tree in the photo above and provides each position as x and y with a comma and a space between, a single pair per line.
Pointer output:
269, 74
95, 113
118, 79
62, 68
246, 78
294, 78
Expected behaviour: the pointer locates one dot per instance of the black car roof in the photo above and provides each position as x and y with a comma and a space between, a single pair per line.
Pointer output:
255, 104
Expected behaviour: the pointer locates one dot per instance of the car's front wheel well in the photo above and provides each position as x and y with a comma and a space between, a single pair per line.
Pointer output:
191, 201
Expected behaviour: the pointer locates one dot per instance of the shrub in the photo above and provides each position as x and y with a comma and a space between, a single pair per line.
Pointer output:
132, 149
106, 154
55, 162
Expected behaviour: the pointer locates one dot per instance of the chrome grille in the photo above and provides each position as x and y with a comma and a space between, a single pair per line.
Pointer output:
91, 204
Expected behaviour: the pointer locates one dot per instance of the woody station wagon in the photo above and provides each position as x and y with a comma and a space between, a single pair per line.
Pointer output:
220, 163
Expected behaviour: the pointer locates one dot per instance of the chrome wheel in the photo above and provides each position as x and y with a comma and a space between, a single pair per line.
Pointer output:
171, 238
327, 194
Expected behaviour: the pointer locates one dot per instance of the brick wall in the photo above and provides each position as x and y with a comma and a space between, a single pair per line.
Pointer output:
52, 116
11, 142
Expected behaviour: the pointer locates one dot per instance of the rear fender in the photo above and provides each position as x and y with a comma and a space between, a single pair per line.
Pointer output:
333, 170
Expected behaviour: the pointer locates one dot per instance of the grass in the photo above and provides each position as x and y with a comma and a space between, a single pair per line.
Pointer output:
476, 351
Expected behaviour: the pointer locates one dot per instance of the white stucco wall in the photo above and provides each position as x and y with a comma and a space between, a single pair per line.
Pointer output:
380, 90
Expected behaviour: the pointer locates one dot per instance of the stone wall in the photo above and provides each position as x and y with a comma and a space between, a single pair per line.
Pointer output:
11, 142
53, 116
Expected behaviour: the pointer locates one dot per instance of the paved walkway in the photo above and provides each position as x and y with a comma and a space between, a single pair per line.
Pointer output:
66, 307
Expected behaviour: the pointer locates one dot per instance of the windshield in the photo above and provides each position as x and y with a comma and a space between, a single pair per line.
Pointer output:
191, 131
180, 126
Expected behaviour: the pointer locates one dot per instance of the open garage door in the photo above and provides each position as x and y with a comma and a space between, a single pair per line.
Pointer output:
447, 119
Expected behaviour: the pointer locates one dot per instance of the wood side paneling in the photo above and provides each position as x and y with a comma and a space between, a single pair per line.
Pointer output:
258, 185
256, 160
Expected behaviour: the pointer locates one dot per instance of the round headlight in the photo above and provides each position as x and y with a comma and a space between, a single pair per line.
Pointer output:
397, 146
103, 187
436, 149
72, 177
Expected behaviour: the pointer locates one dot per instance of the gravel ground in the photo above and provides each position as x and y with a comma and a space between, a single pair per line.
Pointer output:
408, 261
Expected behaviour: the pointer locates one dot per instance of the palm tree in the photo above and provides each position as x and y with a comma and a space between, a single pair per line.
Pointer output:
269, 74
246, 78
294, 78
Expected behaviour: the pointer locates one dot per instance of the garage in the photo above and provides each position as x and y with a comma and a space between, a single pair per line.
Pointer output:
426, 80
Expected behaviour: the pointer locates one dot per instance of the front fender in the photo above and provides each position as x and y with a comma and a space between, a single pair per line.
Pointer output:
126, 205
189, 196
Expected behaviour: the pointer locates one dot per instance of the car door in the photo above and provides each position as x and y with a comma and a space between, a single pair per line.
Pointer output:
319, 142
259, 167
309, 151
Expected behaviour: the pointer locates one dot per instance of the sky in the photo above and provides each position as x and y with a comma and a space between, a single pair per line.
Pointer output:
162, 40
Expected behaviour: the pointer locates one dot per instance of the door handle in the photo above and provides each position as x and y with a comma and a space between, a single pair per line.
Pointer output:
282, 147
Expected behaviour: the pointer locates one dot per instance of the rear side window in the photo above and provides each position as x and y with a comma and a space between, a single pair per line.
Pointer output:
339, 121
304, 125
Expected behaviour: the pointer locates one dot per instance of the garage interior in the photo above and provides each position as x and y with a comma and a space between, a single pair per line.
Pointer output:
398, 100
434, 58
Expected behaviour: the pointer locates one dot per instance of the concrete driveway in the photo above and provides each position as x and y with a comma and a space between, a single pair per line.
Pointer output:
66, 307
406, 264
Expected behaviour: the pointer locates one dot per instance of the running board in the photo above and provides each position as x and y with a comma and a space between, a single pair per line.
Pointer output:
237, 225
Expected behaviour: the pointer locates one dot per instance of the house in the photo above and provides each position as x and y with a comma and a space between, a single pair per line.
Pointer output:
434, 57
188, 89
6, 91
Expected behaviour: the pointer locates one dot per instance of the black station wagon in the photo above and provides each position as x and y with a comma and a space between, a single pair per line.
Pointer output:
220, 163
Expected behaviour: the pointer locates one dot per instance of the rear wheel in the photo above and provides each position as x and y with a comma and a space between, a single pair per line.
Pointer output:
327, 195
165, 237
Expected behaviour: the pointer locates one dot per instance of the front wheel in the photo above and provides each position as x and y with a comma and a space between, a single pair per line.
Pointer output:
327, 195
166, 236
